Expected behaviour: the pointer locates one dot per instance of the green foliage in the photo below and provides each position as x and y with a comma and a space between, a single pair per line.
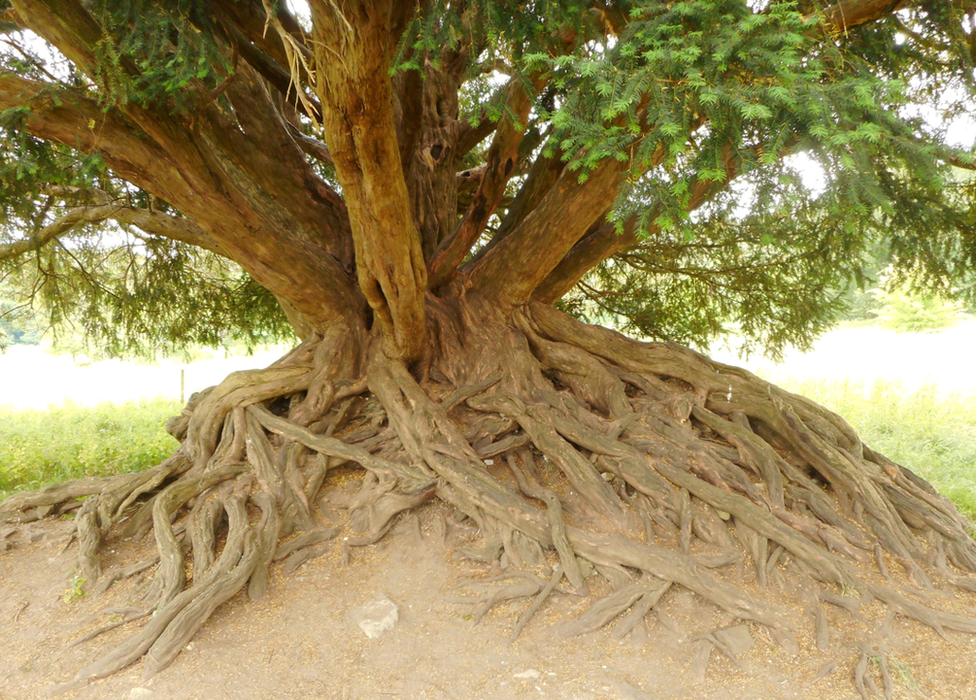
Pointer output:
172, 44
129, 294
688, 87
18, 325
687, 93
75, 590
38, 448
933, 435
903, 311
749, 277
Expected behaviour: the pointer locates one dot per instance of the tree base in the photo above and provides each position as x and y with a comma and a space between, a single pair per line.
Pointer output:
571, 447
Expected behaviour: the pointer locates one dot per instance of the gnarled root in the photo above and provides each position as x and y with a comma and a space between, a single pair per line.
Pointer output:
571, 447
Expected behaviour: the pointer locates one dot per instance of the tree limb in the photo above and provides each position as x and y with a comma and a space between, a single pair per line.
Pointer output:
848, 14
71, 118
74, 218
499, 168
272, 71
151, 222
250, 19
544, 173
70, 27
10, 21
546, 234
470, 135
312, 147
604, 240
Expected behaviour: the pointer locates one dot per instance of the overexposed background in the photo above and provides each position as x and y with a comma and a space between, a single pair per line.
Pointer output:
31, 377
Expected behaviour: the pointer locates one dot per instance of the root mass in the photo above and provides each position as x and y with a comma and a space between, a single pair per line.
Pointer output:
572, 448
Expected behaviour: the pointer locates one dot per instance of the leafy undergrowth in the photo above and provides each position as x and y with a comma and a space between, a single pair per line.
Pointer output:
934, 436
38, 448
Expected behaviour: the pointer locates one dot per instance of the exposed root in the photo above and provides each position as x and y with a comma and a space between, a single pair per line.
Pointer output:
647, 591
572, 448
537, 603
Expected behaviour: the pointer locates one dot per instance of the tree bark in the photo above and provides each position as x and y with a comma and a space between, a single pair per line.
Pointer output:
695, 451
354, 47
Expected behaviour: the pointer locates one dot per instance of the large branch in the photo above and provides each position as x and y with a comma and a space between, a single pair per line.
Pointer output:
71, 118
605, 240
512, 270
152, 222
543, 174
277, 75
269, 151
10, 22
74, 218
251, 20
304, 273
848, 14
499, 168
69, 26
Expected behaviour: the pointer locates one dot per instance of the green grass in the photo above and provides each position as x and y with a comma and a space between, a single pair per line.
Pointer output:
933, 436
38, 448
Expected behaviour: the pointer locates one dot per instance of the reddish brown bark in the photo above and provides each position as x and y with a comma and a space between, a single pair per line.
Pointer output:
357, 95
500, 166
546, 234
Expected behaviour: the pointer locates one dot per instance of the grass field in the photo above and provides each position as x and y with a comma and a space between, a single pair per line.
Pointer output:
934, 435
38, 448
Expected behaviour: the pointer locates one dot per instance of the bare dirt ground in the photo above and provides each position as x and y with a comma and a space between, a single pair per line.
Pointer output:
300, 641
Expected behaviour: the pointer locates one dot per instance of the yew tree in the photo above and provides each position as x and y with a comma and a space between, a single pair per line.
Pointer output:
435, 196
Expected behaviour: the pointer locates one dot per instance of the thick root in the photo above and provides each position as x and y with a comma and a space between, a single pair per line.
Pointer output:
571, 447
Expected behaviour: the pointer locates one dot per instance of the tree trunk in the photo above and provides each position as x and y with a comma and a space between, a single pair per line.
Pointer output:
643, 458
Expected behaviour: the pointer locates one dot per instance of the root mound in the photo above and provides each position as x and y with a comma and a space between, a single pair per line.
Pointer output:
572, 448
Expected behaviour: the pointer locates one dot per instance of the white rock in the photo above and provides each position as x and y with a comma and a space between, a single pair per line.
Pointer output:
376, 617
529, 675
140, 694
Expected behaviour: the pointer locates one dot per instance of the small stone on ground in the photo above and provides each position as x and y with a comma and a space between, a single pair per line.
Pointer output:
377, 617
529, 675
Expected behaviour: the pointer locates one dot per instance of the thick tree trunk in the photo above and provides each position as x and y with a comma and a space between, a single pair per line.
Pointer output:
563, 442
354, 47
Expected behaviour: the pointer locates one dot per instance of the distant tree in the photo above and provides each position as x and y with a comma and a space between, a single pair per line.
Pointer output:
417, 187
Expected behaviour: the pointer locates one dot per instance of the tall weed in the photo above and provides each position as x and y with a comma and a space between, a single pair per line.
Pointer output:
38, 448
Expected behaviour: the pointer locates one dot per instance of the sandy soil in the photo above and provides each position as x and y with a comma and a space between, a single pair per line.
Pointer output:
300, 641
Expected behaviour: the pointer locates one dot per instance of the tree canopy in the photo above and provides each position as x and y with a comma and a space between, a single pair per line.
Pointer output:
677, 135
